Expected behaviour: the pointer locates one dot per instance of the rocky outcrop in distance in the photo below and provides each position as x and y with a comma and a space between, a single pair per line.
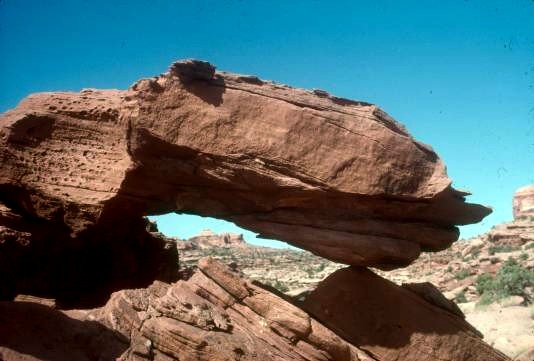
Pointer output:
524, 202
337, 177
208, 239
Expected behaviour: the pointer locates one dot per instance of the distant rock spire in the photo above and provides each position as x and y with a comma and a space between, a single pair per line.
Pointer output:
524, 202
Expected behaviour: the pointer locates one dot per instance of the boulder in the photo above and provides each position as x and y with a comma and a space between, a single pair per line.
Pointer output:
390, 322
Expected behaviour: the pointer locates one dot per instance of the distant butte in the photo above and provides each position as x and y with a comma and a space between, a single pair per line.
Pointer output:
209, 239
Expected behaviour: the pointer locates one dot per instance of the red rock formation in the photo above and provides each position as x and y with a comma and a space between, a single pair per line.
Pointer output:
215, 315
40, 257
337, 177
34, 332
209, 239
79, 171
393, 323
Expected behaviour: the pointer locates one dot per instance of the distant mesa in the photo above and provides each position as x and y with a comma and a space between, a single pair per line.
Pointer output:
209, 239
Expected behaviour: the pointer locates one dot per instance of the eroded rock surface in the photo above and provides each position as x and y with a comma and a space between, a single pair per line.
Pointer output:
337, 177
207, 239
216, 315
392, 323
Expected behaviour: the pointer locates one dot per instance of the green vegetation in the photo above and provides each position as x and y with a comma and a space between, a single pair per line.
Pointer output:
523, 256
475, 251
312, 271
462, 274
529, 246
501, 249
483, 283
309, 271
320, 267
511, 280
460, 298
280, 286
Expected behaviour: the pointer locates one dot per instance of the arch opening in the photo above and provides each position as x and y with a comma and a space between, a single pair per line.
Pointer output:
184, 226
272, 263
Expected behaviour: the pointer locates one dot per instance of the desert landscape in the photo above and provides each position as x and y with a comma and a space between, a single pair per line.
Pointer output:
84, 273
460, 273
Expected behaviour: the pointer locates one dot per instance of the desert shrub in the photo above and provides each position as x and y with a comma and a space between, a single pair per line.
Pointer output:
511, 280
532, 313
498, 248
523, 257
475, 252
529, 246
461, 274
309, 271
460, 298
485, 299
449, 269
280, 286
484, 283
320, 267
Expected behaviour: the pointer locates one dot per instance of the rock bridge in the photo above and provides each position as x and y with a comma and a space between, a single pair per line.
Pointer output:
339, 178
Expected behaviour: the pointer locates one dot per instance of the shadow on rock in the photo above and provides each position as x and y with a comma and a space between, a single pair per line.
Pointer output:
30, 331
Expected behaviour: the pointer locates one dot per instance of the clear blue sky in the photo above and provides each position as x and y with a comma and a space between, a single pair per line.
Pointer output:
458, 74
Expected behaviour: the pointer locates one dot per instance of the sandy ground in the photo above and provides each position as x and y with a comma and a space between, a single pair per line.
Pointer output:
507, 327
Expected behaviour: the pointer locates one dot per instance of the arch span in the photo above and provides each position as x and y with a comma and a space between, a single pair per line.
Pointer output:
339, 178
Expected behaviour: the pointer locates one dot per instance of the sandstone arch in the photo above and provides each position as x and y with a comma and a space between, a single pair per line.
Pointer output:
337, 177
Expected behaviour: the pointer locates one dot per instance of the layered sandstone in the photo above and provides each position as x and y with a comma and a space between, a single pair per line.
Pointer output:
337, 177
216, 315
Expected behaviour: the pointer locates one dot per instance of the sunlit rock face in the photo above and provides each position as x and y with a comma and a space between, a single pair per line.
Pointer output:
524, 202
337, 177
390, 322
209, 239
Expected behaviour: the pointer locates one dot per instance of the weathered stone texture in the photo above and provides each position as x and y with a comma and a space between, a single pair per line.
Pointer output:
337, 177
